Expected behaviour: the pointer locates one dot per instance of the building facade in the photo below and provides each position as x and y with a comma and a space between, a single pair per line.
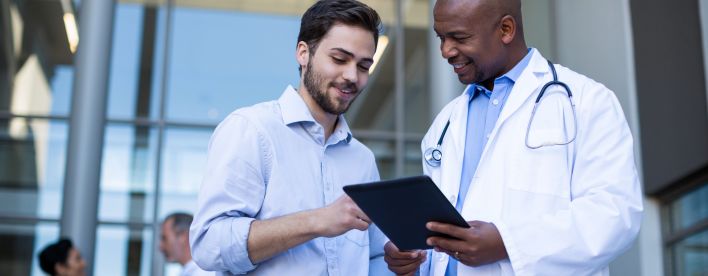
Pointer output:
175, 68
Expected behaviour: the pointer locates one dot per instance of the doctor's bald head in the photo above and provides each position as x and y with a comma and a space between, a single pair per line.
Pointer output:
481, 39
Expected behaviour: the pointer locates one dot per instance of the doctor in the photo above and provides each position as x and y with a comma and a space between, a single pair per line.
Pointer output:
547, 190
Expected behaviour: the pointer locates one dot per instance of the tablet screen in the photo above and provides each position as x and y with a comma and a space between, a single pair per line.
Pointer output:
402, 207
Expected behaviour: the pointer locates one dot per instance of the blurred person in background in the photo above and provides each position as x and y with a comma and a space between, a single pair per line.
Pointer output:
62, 259
174, 243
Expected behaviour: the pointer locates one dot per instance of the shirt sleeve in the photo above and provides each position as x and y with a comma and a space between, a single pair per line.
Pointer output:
231, 195
605, 206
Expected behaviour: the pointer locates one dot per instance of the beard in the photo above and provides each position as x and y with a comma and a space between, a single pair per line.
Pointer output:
314, 83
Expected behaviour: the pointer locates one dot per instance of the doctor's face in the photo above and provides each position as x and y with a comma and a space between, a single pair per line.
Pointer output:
338, 69
470, 39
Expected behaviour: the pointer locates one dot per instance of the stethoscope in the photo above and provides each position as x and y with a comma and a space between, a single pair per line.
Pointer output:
433, 155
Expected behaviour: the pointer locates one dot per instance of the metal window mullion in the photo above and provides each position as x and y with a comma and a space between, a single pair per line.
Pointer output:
157, 260
386, 135
399, 87
680, 235
9, 115
130, 224
13, 219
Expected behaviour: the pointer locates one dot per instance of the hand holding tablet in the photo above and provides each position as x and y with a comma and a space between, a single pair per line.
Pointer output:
402, 207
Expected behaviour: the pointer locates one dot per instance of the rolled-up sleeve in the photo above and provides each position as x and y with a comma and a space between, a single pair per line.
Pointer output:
231, 195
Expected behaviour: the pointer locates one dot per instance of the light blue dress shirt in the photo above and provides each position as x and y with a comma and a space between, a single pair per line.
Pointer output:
482, 114
272, 160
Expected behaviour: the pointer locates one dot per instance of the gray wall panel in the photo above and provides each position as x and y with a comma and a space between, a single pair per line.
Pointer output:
671, 90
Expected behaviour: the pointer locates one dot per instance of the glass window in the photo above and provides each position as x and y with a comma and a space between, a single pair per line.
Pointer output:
691, 255
136, 59
417, 90
690, 209
688, 232
183, 163
385, 153
32, 154
413, 159
375, 107
222, 59
128, 174
61, 83
21, 244
34, 65
122, 251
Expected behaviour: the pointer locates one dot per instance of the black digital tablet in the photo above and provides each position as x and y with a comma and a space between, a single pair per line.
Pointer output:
402, 207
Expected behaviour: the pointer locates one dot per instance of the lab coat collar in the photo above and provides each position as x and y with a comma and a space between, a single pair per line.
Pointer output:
527, 84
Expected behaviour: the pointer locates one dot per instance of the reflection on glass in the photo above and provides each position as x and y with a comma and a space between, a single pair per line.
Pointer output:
374, 109
128, 174
221, 60
21, 243
691, 255
135, 61
32, 91
417, 87
122, 251
183, 164
32, 154
690, 209
33, 59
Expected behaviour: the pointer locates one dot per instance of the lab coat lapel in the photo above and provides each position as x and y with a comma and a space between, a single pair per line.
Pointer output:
454, 148
525, 86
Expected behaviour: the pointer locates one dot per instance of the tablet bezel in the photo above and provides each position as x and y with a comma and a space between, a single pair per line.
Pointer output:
401, 208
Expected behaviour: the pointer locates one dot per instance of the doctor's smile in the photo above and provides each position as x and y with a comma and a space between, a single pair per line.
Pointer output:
460, 68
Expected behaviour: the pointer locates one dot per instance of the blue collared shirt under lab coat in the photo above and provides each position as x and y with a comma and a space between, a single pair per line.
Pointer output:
272, 160
482, 114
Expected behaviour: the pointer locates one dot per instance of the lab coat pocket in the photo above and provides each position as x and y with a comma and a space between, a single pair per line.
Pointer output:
358, 237
542, 171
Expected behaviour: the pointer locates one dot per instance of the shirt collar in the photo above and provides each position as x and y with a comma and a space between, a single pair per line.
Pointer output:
512, 75
293, 107
515, 72
294, 110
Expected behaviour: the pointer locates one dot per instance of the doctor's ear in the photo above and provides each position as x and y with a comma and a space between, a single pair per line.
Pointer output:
302, 53
508, 29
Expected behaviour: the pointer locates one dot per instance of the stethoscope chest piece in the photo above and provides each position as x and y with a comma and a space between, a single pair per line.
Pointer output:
433, 156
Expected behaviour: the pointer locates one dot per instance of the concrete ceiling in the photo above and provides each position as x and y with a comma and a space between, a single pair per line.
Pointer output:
416, 11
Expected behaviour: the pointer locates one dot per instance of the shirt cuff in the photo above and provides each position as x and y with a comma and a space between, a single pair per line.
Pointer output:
234, 245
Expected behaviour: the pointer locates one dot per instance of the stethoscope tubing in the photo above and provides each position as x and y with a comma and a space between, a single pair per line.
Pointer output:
433, 155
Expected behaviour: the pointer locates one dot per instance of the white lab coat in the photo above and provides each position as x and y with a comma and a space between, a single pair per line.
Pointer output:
561, 210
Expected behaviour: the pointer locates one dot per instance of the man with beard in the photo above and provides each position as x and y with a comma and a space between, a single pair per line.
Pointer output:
271, 201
